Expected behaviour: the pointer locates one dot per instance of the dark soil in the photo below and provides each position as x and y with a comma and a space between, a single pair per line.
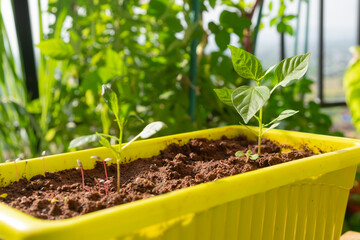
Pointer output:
61, 195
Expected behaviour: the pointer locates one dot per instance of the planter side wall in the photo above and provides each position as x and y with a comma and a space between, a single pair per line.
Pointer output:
309, 209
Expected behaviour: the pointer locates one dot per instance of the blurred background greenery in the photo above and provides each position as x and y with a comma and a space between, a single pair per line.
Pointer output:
163, 57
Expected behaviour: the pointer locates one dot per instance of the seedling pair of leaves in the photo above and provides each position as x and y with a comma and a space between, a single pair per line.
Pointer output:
250, 100
248, 155
121, 117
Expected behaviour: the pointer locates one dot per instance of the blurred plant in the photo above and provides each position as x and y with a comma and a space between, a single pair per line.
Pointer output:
352, 86
142, 48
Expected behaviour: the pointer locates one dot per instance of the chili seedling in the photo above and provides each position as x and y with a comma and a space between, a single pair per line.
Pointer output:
247, 155
121, 117
98, 183
250, 100
82, 174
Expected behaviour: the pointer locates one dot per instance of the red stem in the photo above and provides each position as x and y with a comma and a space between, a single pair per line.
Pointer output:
105, 170
83, 179
106, 184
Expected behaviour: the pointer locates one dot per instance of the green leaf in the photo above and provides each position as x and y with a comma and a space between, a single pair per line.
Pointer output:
157, 8
151, 129
83, 140
283, 115
213, 27
273, 21
248, 152
212, 3
291, 69
239, 154
104, 142
352, 92
245, 64
56, 48
248, 100
271, 127
224, 95
50, 134
267, 71
110, 99
254, 156
222, 39
288, 18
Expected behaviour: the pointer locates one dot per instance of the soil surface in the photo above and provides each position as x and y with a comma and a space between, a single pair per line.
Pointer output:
61, 195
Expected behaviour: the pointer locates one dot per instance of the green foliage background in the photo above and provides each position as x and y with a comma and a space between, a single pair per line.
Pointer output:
141, 48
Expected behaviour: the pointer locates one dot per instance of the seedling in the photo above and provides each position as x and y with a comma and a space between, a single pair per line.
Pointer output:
247, 155
106, 185
121, 114
250, 100
82, 175
98, 182
43, 161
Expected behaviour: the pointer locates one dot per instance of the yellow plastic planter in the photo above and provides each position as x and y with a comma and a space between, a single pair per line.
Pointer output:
303, 199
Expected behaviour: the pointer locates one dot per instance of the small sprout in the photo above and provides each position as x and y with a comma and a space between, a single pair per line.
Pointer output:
104, 163
247, 154
239, 154
4, 195
98, 183
106, 186
43, 161
82, 174
54, 200
79, 163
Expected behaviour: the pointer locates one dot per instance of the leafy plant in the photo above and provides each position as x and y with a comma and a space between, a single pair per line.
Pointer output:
250, 100
121, 114
247, 155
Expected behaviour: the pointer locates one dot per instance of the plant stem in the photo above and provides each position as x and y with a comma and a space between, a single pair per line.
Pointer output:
260, 130
83, 179
121, 125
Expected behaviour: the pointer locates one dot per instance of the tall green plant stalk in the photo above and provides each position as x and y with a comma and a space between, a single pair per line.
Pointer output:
119, 157
260, 130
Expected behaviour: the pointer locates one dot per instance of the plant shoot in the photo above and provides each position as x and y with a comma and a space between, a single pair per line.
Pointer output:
250, 100
82, 175
121, 117
247, 155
